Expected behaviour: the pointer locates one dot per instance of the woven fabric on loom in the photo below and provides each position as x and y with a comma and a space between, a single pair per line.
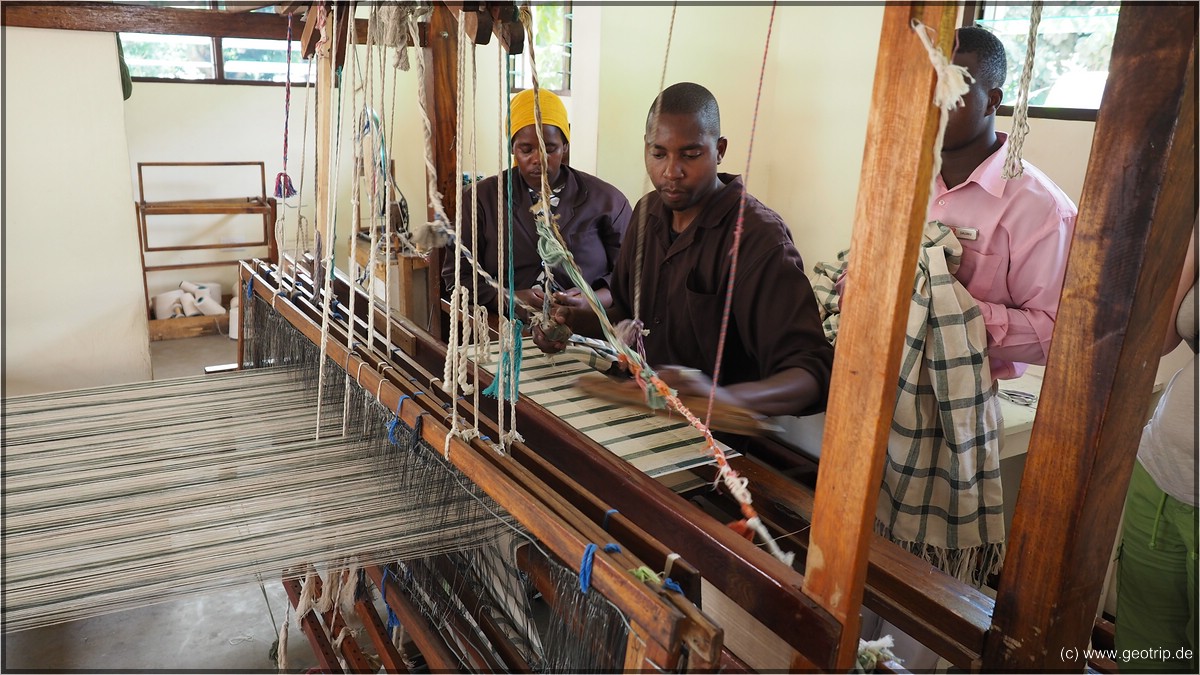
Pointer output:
123, 496
656, 445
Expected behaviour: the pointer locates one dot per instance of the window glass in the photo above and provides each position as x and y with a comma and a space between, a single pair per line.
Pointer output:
552, 48
1074, 42
182, 57
197, 58
262, 60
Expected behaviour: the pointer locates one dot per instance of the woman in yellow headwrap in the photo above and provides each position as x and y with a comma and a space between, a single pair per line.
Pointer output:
592, 215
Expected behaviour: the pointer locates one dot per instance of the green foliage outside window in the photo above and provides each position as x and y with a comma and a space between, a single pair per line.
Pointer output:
552, 49
1074, 42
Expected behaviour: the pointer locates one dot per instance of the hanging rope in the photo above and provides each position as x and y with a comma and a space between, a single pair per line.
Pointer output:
740, 225
1013, 168
640, 251
283, 182
431, 234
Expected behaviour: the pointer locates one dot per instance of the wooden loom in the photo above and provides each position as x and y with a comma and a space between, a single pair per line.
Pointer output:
1041, 608
1138, 203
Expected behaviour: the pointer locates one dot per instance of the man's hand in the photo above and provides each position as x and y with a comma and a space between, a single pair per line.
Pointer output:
553, 338
571, 298
575, 299
532, 296
689, 382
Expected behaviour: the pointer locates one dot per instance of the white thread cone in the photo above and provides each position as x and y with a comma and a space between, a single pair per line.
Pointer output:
209, 307
189, 305
164, 303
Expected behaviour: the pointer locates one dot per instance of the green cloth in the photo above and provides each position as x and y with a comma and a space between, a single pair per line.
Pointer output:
126, 80
1156, 581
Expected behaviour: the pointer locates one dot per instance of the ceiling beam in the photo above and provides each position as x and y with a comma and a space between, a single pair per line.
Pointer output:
130, 18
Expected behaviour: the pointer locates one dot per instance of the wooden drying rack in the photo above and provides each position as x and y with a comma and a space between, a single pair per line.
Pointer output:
169, 329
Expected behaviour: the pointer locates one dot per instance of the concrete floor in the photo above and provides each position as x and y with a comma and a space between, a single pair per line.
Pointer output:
230, 631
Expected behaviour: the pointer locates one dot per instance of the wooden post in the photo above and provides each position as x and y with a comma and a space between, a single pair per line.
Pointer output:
441, 88
892, 200
325, 193
1137, 209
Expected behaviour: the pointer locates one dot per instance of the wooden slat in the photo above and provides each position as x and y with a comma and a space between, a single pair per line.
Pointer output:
310, 625
377, 631
188, 327
134, 18
892, 199
1137, 209
437, 655
352, 655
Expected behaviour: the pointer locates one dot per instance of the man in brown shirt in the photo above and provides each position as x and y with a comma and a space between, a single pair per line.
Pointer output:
592, 215
776, 360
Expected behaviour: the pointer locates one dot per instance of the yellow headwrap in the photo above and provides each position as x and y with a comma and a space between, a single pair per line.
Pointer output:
553, 113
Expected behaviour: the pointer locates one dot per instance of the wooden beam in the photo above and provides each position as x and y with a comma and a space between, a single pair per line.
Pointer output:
326, 193
892, 199
441, 87
131, 18
1137, 210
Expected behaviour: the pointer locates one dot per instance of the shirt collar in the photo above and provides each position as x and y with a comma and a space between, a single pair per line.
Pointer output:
989, 175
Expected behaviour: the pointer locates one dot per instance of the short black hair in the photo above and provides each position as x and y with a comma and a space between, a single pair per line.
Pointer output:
989, 52
688, 98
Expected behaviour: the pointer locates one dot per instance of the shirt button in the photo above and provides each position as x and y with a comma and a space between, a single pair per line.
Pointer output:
657, 321
941, 202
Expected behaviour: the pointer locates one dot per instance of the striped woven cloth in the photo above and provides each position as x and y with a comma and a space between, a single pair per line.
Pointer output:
941, 496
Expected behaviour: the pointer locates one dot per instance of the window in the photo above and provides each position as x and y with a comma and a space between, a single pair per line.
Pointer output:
1070, 67
552, 48
204, 59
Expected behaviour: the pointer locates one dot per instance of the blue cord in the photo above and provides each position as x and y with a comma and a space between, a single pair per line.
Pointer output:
672, 585
392, 621
585, 568
612, 548
607, 513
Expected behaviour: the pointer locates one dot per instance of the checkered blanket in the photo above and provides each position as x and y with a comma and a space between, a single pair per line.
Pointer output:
941, 497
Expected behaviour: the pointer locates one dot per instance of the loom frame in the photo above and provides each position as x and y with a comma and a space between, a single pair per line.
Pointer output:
657, 621
1147, 218
1021, 629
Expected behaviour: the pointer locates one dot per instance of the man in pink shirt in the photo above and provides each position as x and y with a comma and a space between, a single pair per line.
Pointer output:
1015, 236
1015, 233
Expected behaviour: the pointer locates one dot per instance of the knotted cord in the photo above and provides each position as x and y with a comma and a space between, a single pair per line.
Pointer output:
283, 182
1013, 168
951, 86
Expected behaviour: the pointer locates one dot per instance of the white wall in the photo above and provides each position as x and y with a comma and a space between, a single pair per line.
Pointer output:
72, 279
812, 121
812, 117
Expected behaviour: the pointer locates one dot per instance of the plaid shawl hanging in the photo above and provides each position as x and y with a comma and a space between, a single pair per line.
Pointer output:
941, 497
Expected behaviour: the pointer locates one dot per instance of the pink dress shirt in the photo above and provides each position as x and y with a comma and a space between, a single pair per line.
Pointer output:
1016, 235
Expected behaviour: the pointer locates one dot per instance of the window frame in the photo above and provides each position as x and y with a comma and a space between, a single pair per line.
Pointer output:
511, 67
972, 12
218, 56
